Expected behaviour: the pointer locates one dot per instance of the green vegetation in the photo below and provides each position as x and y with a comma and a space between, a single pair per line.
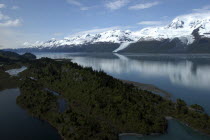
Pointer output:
11, 60
29, 56
100, 107
196, 119
7, 57
6, 81
197, 107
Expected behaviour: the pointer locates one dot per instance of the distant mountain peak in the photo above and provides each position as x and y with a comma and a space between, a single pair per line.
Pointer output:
181, 27
176, 23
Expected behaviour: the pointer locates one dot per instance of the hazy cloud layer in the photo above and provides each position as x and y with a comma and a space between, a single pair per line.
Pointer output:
96, 30
3, 17
78, 4
117, 4
2, 5
143, 5
203, 9
15, 7
8, 35
150, 22
10, 23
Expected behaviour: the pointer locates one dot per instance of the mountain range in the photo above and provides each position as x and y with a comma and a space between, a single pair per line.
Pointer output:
185, 34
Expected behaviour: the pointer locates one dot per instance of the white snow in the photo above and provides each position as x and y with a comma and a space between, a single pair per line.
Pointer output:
181, 27
113, 36
123, 46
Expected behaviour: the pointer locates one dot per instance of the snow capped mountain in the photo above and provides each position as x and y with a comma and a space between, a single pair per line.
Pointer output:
112, 36
181, 27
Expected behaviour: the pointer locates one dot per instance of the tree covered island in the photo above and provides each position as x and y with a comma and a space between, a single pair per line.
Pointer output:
85, 104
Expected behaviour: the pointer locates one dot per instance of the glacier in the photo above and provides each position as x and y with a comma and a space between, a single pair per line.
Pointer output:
181, 27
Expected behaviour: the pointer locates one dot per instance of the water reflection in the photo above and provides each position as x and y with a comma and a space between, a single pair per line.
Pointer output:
15, 72
183, 73
184, 76
17, 124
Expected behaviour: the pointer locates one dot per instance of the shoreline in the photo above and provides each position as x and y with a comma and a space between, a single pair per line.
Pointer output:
130, 134
152, 134
141, 86
139, 135
149, 87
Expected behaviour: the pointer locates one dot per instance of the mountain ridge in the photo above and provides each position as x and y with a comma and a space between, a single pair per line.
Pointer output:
182, 33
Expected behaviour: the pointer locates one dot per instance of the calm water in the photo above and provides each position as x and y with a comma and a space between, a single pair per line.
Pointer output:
15, 72
184, 76
176, 131
16, 124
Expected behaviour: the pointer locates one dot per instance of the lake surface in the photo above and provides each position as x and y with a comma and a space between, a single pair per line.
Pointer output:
15, 72
17, 124
176, 131
184, 76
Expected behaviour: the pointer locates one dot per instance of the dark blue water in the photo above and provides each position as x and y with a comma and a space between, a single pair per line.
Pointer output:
17, 124
176, 131
184, 76
62, 105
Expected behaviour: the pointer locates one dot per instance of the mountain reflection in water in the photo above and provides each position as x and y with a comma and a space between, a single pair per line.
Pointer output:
184, 76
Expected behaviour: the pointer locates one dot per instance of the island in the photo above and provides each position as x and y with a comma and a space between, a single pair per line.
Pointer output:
82, 103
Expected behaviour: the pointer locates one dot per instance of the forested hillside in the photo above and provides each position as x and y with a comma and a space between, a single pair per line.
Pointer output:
99, 106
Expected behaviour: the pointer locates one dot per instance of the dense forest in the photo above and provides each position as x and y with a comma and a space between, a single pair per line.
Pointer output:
85, 104
11, 60
98, 106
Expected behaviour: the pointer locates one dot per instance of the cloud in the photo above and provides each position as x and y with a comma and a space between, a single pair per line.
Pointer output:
74, 2
79, 4
2, 5
14, 38
3, 17
6, 21
143, 5
96, 30
86, 8
15, 7
11, 23
9, 33
9, 38
117, 4
150, 23
203, 9
58, 34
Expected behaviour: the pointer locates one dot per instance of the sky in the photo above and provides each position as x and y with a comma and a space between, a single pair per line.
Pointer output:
40, 20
